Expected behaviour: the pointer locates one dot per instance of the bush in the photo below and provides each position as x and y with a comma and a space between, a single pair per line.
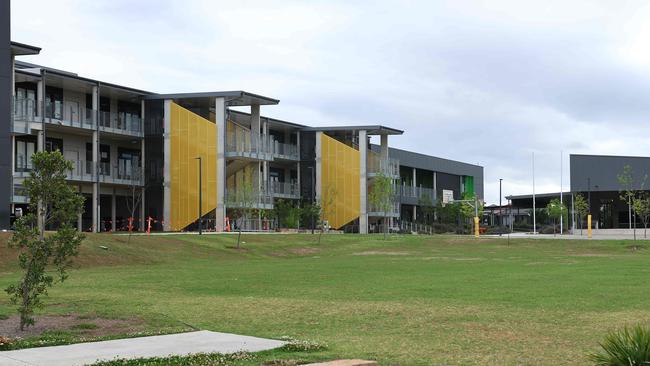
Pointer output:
496, 230
444, 228
627, 347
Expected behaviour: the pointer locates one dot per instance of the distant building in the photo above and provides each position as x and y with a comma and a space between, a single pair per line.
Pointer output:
596, 178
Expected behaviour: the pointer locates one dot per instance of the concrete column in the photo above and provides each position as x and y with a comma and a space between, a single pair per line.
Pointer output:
256, 140
141, 225
40, 98
220, 120
384, 147
167, 193
363, 183
298, 164
96, 227
113, 212
319, 172
265, 164
415, 214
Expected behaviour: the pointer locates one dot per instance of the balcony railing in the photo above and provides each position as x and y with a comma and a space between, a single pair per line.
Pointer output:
82, 170
386, 166
68, 113
393, 210
121, 122
415, 192
241, 143
285, 151
248, 199
284, 189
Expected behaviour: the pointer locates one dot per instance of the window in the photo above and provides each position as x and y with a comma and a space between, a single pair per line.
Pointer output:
25, 148
128, 162
52, 144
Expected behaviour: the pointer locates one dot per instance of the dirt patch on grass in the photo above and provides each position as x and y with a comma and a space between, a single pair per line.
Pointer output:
89, 326
379, 252
300, 251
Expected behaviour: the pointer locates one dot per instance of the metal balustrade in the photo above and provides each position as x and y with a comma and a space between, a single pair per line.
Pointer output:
242, 143
285, 151
248, 199
415, 192
71, 114
284, 189
386, 166
83, 170
393, 211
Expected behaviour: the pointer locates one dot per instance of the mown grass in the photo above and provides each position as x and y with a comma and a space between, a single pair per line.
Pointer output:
409, 300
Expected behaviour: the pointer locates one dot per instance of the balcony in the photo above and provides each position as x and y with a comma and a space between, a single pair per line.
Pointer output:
285, 151
284, 189
388, 167
82, 171
408, 191
24, 112
248, 199
68, 114
120, 123
242, 144
374, 211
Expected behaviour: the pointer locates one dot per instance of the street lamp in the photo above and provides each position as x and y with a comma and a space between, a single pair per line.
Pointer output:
313, 196
500, 207
200, 196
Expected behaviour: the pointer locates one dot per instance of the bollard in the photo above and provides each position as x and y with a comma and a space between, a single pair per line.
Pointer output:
476, 226
588, 226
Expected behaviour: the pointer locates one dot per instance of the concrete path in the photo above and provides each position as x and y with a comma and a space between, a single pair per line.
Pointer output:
156, 346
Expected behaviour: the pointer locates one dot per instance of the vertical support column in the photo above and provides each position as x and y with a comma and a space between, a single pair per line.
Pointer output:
141, 225
220, 120
265, 164
40, 101
363, 183
384, 147
113, 211
95, 173
257, 142
318, 174
167, 147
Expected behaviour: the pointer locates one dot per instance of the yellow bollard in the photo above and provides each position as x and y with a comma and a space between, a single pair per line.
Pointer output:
588, 226
476, 226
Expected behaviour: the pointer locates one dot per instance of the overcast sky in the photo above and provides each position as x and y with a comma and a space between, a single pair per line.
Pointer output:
484, 82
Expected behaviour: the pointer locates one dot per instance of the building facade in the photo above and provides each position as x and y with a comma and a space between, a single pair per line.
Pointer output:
156, 161
596, 178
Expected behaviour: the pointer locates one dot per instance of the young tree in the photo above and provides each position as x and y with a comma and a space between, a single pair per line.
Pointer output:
52, 202
581, 207
244, 200
426, 208
382, 196
641, 207
135, 196
627, 192
468, 209
555, 210
327, 209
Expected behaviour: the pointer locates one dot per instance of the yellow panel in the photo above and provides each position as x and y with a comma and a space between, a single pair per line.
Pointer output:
191, 136
340, 182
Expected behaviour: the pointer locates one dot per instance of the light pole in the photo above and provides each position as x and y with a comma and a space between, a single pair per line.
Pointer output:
200, 196
313, 196
500, 207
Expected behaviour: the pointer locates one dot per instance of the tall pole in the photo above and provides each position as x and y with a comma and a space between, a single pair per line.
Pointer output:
534, 218
200, 197
561, 201
313, 197
500, 207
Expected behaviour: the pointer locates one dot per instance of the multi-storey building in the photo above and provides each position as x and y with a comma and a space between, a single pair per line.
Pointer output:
142, 158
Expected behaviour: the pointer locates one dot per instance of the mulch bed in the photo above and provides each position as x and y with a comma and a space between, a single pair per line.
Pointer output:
90, 326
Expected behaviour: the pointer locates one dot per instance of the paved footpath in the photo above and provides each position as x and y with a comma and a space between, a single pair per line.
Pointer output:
155, 346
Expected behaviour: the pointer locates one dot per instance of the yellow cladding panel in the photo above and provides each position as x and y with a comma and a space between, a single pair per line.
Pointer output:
340, 180
191, 136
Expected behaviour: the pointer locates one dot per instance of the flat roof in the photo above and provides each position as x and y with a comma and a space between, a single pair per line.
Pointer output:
21, 49
274, 120
371, 129
537, 195
236, 97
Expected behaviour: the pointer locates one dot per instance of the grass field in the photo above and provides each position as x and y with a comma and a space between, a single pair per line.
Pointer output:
408, 300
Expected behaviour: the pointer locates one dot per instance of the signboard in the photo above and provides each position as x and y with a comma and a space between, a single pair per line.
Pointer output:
447, 196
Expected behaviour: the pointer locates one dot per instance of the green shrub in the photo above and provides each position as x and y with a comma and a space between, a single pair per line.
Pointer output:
627, 347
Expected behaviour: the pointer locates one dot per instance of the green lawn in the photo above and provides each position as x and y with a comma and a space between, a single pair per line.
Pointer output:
408, 300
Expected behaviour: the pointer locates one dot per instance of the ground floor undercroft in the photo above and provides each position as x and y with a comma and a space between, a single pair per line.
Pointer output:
119, 209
